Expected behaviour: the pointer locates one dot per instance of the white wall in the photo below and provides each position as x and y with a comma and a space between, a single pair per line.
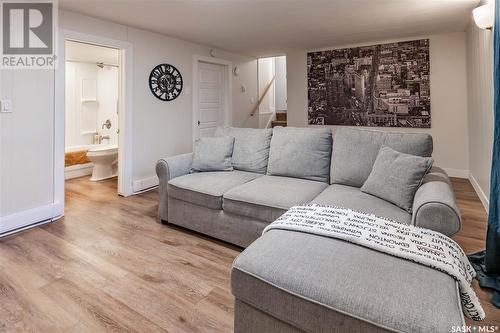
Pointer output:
266, 71
85, 119
448, 98
107, 99
480, 104
80, 117
26, 140
160, 128
280, 91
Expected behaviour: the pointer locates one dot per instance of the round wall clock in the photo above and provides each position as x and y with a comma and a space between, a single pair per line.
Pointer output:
165, 82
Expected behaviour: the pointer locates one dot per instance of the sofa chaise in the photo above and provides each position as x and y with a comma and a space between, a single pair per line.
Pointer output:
294, 282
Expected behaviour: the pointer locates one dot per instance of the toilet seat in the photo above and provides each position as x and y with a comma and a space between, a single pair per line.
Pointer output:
104, 150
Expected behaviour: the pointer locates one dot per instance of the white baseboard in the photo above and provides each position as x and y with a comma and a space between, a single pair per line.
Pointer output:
78, 170
457, 173
146, 184
466, 174
30, 218
480, 193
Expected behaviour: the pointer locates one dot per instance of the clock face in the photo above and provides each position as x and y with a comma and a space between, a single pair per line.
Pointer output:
165, 82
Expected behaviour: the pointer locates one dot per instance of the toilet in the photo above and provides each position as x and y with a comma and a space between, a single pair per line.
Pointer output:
105, 159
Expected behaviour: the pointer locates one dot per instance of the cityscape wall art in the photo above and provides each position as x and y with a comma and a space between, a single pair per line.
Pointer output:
384, 85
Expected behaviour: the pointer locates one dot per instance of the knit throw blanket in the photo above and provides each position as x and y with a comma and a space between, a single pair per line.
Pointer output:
423, 246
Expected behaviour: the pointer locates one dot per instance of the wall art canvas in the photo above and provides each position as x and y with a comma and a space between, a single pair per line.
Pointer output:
385, 85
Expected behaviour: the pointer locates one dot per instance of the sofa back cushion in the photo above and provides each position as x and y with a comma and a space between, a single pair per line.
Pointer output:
251, 147
301, 153
212, 154
355, 150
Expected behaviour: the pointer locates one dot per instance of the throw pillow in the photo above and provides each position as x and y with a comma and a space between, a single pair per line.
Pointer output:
213, 154
396, 176
251, 147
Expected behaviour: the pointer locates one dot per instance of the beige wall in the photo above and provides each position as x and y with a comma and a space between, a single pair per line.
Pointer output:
448, 98
480, 98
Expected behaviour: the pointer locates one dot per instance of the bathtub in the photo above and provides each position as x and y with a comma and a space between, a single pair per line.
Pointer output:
76, 163
72, 149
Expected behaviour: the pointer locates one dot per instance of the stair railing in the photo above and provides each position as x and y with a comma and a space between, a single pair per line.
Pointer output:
271, 119
257, 106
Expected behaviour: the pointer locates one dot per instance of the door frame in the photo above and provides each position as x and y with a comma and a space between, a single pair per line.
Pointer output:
228, 96
124, 111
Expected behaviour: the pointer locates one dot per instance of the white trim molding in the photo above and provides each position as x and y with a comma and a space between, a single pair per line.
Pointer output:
480, 193
146, 184
78, 170
229, 90
30, 218
124, 107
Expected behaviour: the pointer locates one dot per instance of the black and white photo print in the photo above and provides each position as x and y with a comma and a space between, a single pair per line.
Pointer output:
384, 85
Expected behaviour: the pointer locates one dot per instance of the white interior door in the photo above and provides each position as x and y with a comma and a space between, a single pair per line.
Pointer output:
211, 98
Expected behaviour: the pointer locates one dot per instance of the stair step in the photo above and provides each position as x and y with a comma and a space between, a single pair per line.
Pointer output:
281, 116
278, 123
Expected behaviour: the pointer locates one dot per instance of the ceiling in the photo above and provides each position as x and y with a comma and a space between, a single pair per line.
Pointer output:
271, 27
76, 51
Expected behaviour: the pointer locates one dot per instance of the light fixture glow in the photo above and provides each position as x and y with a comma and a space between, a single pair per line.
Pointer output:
484, 16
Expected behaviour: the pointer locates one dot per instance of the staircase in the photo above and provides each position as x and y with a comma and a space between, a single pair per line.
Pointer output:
280, 119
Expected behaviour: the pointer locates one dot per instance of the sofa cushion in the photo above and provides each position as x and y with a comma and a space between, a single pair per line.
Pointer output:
213, 154
251, 147
320, 284
419, 144
300, 153
267, 197
355, 150
396, 176
206, 188
352, 197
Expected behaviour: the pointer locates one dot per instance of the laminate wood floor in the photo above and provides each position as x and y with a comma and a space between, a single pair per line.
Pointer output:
109, 266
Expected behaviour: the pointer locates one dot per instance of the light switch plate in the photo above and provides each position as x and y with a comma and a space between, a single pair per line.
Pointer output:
6, 106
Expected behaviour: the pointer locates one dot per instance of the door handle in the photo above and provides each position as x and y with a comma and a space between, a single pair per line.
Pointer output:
199, 123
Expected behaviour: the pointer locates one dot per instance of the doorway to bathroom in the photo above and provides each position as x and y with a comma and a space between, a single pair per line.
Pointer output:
92, 94
92, 79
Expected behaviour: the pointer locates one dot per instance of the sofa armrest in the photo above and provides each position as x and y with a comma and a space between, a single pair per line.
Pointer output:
166, 169
434, 205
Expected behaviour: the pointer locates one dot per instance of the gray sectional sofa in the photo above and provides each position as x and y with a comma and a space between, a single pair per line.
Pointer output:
293, 282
